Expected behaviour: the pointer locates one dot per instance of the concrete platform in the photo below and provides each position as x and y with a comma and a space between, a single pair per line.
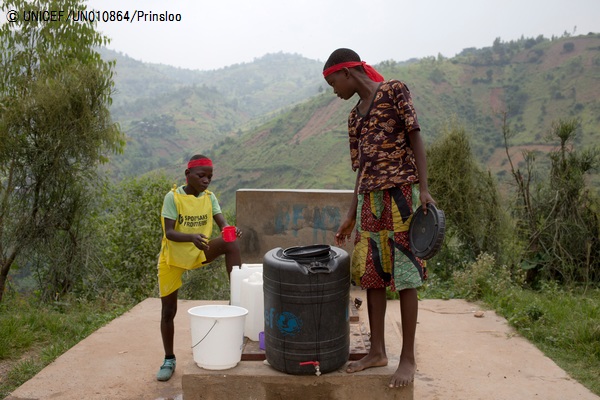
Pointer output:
255, 380
460, 357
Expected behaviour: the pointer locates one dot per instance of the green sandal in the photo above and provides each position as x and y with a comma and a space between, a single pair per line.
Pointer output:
166, 370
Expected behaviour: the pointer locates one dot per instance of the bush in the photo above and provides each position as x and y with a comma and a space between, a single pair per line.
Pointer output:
475, 220
130, 236
211, 281
207, 283
557, 213
482, 279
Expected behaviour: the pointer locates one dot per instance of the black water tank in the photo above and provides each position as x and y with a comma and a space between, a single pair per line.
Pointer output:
306, 293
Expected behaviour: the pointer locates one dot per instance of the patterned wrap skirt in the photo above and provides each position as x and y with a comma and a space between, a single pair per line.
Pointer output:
382, 256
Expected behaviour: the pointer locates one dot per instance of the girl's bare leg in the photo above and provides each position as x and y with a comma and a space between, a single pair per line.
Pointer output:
409, 309
376, 304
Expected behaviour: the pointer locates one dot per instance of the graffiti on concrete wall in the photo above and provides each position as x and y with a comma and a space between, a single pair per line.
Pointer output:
281, 218
292, 218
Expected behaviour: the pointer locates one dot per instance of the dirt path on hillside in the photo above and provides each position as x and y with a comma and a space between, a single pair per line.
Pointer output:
317, 122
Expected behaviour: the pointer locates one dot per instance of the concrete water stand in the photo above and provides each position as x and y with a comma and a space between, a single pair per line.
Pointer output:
256, 380
253, 378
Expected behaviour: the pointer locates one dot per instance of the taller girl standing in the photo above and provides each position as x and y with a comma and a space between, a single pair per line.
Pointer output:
388, 154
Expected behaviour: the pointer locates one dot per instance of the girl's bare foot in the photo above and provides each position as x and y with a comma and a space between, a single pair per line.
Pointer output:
405, 374
367, 361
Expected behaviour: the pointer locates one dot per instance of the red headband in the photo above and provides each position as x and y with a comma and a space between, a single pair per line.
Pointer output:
201, 162
371, 72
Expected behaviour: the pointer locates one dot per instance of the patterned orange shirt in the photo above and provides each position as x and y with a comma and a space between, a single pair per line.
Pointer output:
379, 144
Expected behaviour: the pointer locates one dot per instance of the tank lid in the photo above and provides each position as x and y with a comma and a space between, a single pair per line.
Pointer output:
308, 253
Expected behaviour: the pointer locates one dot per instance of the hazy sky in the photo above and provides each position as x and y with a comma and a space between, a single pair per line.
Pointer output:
218, 33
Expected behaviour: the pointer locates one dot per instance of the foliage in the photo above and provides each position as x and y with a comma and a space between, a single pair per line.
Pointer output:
33, 334
253, 89
54, 124
558, 214
288, 153
59, 272
482, 279
227, 109
204, 107
561, 320
156, 125
129, 236
120, 238
210, 282
109, 232
128, 242
475, 220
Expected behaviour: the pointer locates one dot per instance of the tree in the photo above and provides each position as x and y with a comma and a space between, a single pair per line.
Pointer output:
558, 213
475, 220
55, 128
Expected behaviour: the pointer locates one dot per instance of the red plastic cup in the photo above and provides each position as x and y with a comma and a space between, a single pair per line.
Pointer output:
229, 234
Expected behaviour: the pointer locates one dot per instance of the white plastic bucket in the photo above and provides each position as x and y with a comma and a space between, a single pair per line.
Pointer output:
238, 274
217, 335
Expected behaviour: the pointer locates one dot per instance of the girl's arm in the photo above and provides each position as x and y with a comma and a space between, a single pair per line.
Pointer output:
220, 220
222, 223
416, 143
345, 230
199, 240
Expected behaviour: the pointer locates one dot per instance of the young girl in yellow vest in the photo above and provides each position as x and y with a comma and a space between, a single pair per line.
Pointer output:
187, 219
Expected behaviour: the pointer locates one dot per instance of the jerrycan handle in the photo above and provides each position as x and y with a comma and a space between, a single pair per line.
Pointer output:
318, 268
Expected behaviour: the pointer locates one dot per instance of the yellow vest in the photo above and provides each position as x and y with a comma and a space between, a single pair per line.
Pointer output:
194, 216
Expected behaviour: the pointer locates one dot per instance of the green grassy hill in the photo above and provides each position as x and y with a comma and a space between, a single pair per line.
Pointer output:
275, 123
170, 113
